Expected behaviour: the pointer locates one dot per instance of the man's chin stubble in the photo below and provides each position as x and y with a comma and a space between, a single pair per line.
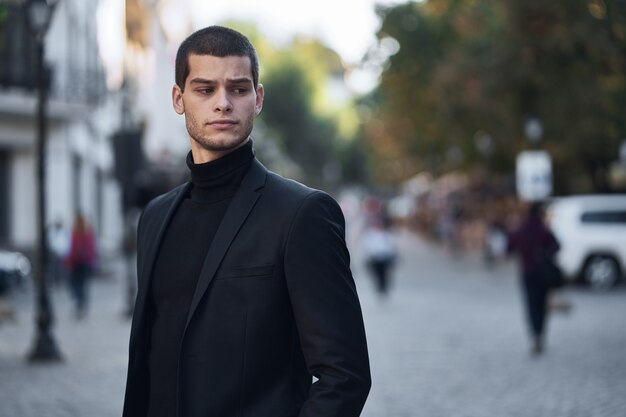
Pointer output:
216, 146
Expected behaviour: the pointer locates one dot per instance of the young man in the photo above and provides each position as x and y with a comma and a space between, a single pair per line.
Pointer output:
245, 291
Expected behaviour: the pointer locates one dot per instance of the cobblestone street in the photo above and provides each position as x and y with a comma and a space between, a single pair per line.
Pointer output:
90, 381
449, 341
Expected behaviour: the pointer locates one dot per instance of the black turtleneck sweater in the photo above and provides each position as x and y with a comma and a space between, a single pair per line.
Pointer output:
180, 258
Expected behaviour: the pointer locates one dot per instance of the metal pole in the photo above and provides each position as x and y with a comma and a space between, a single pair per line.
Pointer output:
45, 347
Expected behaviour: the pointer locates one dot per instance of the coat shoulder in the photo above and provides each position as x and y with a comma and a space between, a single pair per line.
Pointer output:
291, 198
290, 190
155, 211
164, 201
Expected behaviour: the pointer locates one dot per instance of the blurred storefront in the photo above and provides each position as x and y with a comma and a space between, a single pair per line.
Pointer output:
457, 209
81, 117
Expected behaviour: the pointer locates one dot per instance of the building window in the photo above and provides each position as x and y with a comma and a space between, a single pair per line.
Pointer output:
17, 49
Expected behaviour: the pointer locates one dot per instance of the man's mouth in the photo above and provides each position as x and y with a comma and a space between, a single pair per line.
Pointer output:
222, 123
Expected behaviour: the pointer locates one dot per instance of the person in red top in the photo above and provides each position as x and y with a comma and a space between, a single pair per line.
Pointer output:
80, 260
533, 241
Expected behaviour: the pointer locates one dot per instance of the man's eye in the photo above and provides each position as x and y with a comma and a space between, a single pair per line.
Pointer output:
240, 90
206, 90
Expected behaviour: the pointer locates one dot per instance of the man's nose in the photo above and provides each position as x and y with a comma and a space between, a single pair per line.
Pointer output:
222, 102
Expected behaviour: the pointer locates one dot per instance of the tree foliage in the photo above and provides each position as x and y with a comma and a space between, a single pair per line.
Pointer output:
298, 112
311, 127
288, 112
468, 74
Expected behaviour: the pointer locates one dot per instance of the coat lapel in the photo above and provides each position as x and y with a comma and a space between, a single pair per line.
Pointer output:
238, 210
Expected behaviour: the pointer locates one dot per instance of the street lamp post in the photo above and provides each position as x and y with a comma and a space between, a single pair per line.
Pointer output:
39, 13
534, 167
533, 128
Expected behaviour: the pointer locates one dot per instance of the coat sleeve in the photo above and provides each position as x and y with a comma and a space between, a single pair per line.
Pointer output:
327, 310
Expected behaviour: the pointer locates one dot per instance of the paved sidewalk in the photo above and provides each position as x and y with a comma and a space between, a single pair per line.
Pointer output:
90, 381
451, 342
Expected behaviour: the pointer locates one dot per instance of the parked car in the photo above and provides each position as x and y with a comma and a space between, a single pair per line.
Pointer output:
14, 269
592, 233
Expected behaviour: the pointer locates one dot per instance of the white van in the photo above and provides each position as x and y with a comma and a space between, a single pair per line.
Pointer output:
592, 232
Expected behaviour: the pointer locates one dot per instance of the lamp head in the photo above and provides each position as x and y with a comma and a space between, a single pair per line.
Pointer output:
39, 15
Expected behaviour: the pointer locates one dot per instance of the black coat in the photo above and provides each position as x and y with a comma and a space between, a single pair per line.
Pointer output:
275, 304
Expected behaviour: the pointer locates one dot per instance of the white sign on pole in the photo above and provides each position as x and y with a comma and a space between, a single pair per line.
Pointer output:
534, 175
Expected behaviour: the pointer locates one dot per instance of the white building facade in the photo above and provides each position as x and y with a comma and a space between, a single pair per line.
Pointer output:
82, 116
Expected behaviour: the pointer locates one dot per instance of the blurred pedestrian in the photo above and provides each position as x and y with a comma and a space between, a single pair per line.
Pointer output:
495, 245
58, 247
380, 253
534, 243
449, 225
244, 285
80, 261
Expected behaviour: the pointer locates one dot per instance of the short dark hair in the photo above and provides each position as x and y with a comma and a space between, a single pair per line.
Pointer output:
215, 41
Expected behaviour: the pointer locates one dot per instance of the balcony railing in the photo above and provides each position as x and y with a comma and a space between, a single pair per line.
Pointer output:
76, 82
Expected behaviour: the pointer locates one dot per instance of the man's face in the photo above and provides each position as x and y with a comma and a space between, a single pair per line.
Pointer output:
219, 104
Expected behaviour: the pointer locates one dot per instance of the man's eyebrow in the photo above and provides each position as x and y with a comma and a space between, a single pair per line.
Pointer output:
201, 81
241, 80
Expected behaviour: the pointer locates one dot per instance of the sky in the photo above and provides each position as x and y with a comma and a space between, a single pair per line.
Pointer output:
347, 26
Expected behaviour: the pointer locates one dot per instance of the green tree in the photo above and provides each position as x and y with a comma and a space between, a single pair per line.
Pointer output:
567, 65
314, 130
468, 73
288, 112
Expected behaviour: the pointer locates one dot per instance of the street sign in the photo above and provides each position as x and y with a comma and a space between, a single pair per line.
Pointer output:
534, 175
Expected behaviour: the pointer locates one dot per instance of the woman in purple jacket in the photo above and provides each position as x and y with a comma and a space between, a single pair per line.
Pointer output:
533, 242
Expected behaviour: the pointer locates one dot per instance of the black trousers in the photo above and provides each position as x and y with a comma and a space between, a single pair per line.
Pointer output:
380, 272
79, 276
536, 300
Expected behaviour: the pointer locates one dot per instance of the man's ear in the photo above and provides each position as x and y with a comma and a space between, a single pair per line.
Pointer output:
260, 93
177, 100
